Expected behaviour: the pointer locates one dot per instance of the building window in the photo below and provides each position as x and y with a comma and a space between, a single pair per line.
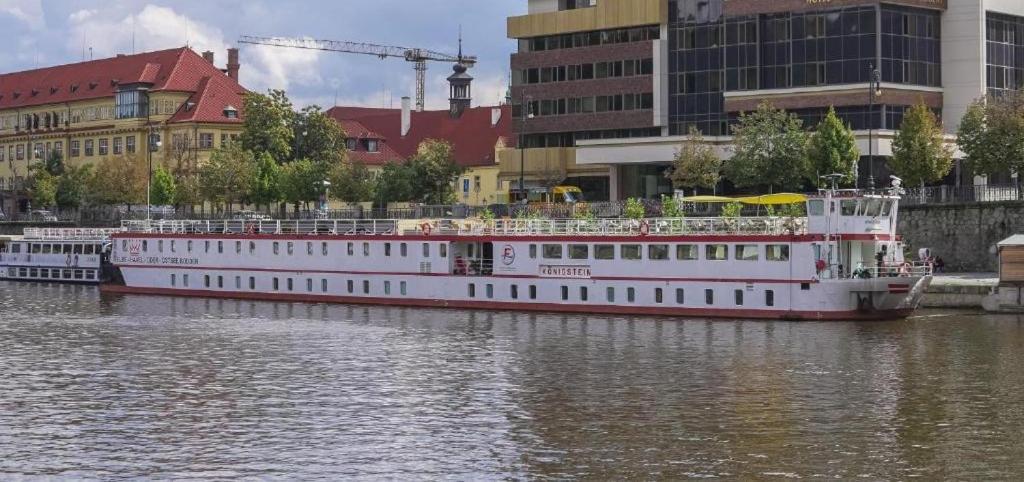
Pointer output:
371, 145
75, 148
104, 147
205, 140
131, 104
118, 146
58, 147
129, 144
88, 148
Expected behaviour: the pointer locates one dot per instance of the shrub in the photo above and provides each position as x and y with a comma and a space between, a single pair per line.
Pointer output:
634, 209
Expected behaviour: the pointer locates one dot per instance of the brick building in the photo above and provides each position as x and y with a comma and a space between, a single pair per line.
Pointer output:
616, 84
103, 108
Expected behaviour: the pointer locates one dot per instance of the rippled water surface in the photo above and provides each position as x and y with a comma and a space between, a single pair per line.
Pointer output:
98, 386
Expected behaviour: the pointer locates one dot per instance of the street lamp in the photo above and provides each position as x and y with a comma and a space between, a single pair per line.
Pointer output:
324, 203
874, 92
153, 144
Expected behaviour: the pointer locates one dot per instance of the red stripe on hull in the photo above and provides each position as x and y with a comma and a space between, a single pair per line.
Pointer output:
435, 275
510, 306
576, 238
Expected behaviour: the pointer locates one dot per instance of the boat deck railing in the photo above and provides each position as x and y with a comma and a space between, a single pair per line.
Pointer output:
504, 227
68, 234
907, 269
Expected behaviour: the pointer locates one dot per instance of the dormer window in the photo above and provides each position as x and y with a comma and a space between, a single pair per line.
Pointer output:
35, 92
53, 90
93, 85
131, 103
350, 144
370, 145
230, 112
74, 87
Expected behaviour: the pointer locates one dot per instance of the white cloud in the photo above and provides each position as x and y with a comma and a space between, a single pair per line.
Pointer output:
28, 11
81, 15
265, 67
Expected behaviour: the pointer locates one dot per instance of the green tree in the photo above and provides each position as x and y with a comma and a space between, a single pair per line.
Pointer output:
919, 151
434, 173
352, 182
318, 137
833, 149
770, 150
394, 184
162, 192
696, 165
188, 192
227, 176
634, 209
54, 163
118, 180
43, 189
302, 181
991, 135
266, 181
268, 124
71, 186
671, 208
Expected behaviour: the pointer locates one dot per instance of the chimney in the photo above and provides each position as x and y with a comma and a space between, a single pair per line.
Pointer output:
495, 116
406, 115
233, 64
208, 56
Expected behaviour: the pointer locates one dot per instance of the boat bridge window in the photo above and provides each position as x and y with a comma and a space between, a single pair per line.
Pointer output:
579, 251
657, 251
630, 252
716, 252
776, 252
604, 251
746, 252
848, 208
816, 207
886, 208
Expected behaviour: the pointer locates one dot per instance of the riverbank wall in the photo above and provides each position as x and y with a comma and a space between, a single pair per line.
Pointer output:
964, 235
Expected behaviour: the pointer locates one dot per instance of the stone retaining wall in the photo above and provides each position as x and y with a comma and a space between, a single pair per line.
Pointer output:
964, 235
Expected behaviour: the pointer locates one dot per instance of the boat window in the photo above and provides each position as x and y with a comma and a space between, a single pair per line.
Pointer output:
631, 295
873, 207
387, 249
220, 247
238, 247
769, 298
403, 250
513, 292
277, 284
579, 251
238, 282
583, 293
659, 295
189, 246
44, 273
16, 248
47, 248
610, 294
174, 279
309, 248
886, 207
776, 252
471, 290
604, 251
565, 293
206, 246
309, 285
66, 249
160, 246
351, 286
816, 207
124, 245
323, 285
350, 248
291, 284
680, 296
206, 281
323, 248
533, 251
291, 248
443, 250
34, 273
716, 252
848, 208
746, 252
387, 287
401, 287
184, 280
426, 250
252, 282
552, 251
739, 297
366, 287
366, 249
490, 291
220, 281
709, 297
687, 252
533, 292
630, 251
657, 251
92, 249
277, 247
805, 287
252, 247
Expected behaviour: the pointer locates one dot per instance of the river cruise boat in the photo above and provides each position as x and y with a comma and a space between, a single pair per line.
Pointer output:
56, 255
843, 261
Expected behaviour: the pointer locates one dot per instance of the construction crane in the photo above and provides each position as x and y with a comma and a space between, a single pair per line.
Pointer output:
416, 55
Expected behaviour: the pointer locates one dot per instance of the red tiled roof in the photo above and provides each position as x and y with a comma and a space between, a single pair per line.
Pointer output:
472, 137
211, 98
177, 70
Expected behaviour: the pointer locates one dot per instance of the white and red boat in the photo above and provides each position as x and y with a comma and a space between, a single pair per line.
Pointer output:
747, 267
65, 255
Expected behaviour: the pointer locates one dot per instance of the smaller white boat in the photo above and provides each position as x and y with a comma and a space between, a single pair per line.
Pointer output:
56, 255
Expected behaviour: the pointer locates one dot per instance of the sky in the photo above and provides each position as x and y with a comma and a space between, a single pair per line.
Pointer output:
38, 33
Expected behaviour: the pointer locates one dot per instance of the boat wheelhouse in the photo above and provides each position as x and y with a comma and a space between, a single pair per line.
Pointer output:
56, 255
746, 267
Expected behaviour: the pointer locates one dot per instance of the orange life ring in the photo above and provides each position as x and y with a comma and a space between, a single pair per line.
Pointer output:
426, 228
645, 228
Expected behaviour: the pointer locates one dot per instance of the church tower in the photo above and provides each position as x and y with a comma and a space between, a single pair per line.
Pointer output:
460, 90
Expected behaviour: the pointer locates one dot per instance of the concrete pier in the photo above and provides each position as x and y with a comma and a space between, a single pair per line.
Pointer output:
960, 290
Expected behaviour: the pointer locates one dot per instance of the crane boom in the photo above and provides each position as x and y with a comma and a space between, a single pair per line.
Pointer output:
410, 54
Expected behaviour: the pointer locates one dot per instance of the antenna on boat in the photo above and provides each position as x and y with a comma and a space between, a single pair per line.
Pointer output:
833, 179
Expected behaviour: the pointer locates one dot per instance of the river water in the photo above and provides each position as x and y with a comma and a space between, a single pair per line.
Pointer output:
109, 387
